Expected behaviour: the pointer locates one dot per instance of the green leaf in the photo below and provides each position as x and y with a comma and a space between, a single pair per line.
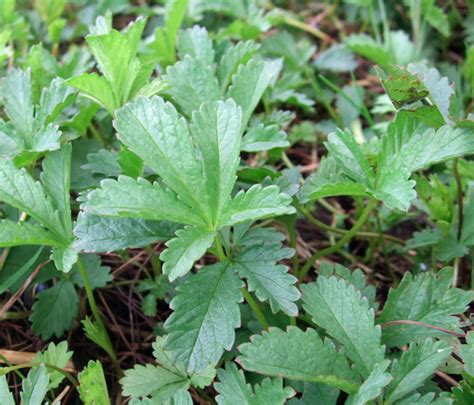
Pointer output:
234, 56
344, 314
35, 386
97, 334
300, 356
415, 366
317, 393
257, 203
93, 387
54, 310
337, 58
54, 99
95, 88
426, 298
467, 353
373, 386
248, 85
202, 324
56, 180
130, 198
17, 188
270, 281
196, 43
102, 234
367, 47
64, 257
216, 131
233, 389
56, 355
262, 137
99, 276
6, 397
181, 253
192, 82
154, 131
24, 233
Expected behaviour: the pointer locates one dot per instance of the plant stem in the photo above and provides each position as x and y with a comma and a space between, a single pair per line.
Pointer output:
384, 250
93, 306
293, 22
255, 308
219, 248
341, 242
460, 196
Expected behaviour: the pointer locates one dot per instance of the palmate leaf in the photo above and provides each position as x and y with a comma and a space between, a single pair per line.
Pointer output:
340, 310
202, 324
415, 366
58, 356
300, 356
233, 388
426, 298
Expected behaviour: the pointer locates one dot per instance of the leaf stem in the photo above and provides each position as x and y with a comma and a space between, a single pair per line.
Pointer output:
219, 248
93, 306
460, 196
340, 243
255, 308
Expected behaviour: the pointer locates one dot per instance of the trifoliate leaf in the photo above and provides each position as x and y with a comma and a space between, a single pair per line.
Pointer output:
181, 253
372, 387
248, 85
339, 309
257, 263
56, 355
54, 310
191, 83
426, 298
196, 43
93, 387
298, 355
35, 386
257, 203
233, 388
101, 234
415, 366
202, 324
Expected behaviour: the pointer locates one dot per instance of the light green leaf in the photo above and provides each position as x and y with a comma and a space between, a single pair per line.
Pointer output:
317, 393
372, 387
54, 310
415, 366
53, 100
35, 386
270, 281
300, 356
189, 245
340, 309
248, 85
96, 88
64, 257
196, 43
6, 397
56, 355
97, 334
257, 203
192, 82
93, 387
233, 389
202, 324
56, 179
216, 131
367, 47
262, 137
467, 353
130, 198
337, 58
426, 298
24, 233
17, 188
154, 131
102, 234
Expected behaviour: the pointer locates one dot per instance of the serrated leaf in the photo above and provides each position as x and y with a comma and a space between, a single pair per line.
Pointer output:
130, 198
154, 131
102, 234
233, 388
372, 387
56, 355
96, 333
298, 355
270, 281
64, 257
181, 252
6, 397
467, 353
340, 310
337, 58
202, 324
35, 386
54, 310
95, 88
248, 85
196, 43
93, 387
415, 366
216, 131
24, 233
367, 47
257, 203
317, 393
192, 82
17, 188
262, 137
426, 298
98, 275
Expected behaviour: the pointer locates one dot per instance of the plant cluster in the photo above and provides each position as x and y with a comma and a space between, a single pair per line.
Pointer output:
287, 206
